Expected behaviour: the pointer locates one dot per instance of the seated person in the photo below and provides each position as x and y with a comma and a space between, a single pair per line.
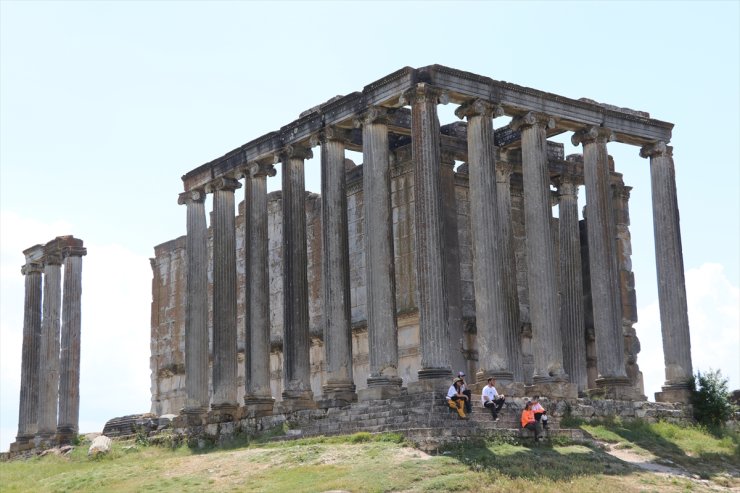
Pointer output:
540, 413
529, 422
467, 392
491, 399
456, 399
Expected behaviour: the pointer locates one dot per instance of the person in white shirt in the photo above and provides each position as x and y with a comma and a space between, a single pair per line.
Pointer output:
491, 399
465, 390
456, 399
540, 413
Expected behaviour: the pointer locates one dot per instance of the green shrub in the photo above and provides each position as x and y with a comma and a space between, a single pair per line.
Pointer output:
710, 399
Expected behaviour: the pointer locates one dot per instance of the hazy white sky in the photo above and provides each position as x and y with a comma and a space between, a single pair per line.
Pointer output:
104, 105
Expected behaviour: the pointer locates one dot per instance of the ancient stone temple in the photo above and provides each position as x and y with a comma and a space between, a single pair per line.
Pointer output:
450, 247
50, 361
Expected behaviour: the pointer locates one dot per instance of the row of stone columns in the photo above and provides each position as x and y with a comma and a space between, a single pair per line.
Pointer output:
50, 358
559, 353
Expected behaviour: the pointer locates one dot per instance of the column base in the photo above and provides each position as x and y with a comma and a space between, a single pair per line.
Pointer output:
435, 374
337, 394
190, 417
503, 377
674, 394
22, 443
44, 440
552, 389
296, 400
256, 407
66, 435
439, 384
222, 413
616, 388
382, 387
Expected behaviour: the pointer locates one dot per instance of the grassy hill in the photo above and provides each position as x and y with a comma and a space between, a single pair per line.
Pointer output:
621, 458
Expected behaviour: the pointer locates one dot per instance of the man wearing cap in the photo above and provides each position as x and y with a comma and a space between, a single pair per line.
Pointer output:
491, 399
466, 391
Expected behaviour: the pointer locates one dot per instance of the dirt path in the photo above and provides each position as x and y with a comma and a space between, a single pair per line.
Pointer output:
648, 463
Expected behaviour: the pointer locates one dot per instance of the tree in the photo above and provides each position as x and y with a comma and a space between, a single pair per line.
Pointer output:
710, 398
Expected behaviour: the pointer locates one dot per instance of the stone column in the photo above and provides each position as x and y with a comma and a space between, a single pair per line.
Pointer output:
382, 329
491, 307
69, 376
601, 230
49, 353
511, 292
224, 297
430, 267
452, 264
196, 310
339, 387
297, 392
541, 275
572, 323
674, 319
258, 394
29, 394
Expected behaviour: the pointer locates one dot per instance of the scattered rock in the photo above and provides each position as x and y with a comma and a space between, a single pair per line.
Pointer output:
101, 445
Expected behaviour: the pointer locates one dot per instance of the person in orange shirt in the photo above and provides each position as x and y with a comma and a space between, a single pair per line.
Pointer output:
529, 422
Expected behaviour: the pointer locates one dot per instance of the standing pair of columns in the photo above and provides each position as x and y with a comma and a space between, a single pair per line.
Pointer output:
50, 360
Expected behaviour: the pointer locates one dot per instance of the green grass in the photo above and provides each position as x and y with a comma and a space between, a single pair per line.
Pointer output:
376, 463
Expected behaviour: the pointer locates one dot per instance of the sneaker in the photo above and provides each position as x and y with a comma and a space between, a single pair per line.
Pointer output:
495, 418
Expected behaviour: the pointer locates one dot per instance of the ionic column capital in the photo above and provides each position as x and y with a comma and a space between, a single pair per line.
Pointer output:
424, 93
479, 107
567, 186
331, 133
32, 268
373, 114
447, 158
503, 171
195, 195
53, 256
260, 169
656, 149
74, 251
591, 134
223, 184
295, 151
531, 119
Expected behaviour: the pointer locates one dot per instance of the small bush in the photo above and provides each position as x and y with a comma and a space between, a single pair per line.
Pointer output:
710, 399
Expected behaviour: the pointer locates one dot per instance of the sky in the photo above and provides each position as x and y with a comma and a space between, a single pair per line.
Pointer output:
105, 105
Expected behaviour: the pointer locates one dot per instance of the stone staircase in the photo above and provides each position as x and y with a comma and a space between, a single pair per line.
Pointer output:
424, 419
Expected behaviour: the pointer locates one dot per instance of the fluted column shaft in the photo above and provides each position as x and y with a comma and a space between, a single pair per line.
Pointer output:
69, 376
452, 263
257, 369
296, 342
30, 369
196, 310
224, 295
335, 269
382, 329
669, 262
430, 269
49, 353
494, 332
541, 276
511, 293
601, 230
572, 323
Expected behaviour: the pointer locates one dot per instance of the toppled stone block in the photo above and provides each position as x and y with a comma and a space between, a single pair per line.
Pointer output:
101, 445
